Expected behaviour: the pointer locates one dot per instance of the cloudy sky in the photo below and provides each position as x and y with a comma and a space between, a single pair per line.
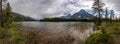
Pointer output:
49, 8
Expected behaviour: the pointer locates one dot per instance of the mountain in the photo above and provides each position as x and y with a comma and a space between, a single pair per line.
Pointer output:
66, 17
87, 14
82, 14
93, 12
19, 17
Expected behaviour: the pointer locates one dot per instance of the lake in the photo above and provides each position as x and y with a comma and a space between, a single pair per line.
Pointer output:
58, 32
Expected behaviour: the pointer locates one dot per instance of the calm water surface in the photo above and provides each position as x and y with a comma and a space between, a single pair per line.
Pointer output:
51, 31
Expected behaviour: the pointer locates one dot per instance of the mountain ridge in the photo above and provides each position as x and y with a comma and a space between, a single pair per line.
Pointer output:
18, 17
86, 14
82, 14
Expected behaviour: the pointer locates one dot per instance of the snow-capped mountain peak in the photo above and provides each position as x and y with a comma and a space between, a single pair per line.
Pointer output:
87, 14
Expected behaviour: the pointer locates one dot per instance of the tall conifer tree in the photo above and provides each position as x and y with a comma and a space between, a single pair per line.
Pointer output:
97, 6
7, 16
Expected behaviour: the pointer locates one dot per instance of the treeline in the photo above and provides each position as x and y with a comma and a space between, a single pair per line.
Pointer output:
65, 20
56, 19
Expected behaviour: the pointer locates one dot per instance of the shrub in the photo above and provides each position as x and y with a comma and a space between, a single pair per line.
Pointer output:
99, 38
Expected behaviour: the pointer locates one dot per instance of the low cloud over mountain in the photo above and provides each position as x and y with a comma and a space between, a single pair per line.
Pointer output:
49, 8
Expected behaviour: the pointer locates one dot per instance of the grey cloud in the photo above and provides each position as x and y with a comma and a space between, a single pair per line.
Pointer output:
115, 4
33, 8
47, 8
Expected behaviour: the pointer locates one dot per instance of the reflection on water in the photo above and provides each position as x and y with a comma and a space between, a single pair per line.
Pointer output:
54, 31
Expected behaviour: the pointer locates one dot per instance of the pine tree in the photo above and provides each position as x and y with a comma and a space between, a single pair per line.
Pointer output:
106, 13
112, 14
97, 6
0, 11
7, 16
0, 3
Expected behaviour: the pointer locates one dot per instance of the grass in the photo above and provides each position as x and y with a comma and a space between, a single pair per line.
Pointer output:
2, 33
113, 28
106, 34
12, 35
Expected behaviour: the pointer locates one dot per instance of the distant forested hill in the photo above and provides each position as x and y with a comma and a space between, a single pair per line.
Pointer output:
19, 17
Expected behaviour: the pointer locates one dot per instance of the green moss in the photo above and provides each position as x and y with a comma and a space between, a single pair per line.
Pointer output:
99, 38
